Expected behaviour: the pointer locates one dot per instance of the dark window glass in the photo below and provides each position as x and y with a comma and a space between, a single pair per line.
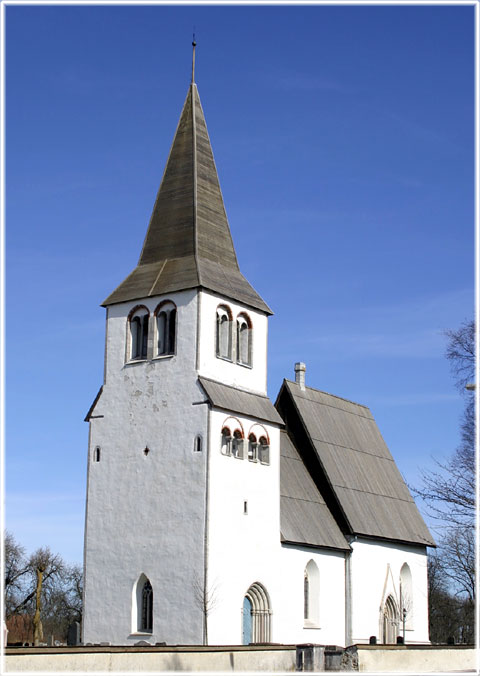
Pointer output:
147, 607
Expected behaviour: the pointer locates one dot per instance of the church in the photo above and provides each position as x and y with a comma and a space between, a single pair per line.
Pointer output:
214, 516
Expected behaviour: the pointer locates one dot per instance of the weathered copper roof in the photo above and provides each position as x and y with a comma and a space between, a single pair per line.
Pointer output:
348, 457
188, 242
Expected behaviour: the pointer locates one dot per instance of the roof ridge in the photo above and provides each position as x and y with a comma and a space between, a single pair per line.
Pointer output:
315, 389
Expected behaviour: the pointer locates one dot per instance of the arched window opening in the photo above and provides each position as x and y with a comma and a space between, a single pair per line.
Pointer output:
390, 621
406, 596
244, 340
252, 448
147, 607
237, 445
197, 444
96, 454
257, 616
263, 451
142, 608
139, 333
311, 595
224, 332
146, 450
226, 441
305, 596
166, 314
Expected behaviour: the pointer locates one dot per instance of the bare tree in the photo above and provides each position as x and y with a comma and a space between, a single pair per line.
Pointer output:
206, 599
40, 589
449, 493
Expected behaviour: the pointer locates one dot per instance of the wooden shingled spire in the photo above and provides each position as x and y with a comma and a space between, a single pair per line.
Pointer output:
188, 242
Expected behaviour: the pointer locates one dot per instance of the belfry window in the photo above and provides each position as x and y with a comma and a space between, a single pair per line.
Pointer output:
237, 445
147, 607
224, 332
139, 333
264, 451
244, 340
226, 441
166, 320
252, 448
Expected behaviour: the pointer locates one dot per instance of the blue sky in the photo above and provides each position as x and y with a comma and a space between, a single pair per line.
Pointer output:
343, 138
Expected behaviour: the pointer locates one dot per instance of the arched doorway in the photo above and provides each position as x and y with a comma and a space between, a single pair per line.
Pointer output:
256, 615
390, 621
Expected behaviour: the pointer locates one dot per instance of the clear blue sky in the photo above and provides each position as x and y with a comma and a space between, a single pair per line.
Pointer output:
343, 138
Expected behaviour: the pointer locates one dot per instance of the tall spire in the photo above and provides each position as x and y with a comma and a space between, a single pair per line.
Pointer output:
194, 44
188, 242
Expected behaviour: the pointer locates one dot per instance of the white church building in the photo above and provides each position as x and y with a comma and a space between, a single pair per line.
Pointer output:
214, 516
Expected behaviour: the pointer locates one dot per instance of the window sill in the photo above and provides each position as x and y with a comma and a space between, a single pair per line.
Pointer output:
132, 362
163, 356
142, 633
245, 366
308, 624
229, 359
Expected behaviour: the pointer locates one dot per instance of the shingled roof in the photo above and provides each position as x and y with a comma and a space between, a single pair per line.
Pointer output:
347, 455
304, 516
188, 242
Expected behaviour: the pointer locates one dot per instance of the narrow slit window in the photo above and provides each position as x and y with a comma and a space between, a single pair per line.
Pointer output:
197, 445
147, 608
96, 454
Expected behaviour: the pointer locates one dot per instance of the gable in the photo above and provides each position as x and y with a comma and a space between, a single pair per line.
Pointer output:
353, 459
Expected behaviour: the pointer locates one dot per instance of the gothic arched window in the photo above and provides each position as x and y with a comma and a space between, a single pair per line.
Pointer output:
147, 607
166, 321
311, 594
138, 324
244, 340
224, 332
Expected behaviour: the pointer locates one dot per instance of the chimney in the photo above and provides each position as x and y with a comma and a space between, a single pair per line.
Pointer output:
300, 374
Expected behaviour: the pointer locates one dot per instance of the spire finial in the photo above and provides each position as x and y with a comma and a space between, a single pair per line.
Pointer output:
194, 44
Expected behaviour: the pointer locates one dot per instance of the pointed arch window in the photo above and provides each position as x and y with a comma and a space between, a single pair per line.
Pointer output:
147, 607
406, 596
224, 332
166, 328
138, 326
311, 595
244, 340
142, 607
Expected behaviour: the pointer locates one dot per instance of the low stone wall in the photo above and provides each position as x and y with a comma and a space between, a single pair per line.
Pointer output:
416, 659
153, 659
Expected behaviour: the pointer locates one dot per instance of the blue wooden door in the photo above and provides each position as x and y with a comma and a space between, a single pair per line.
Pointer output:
247, 621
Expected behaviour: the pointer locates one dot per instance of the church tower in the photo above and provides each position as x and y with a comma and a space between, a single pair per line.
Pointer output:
183, 457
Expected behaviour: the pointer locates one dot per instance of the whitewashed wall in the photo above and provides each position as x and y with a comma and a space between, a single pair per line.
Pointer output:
227, 372
331, 626
375, 573
145, 514
244, 549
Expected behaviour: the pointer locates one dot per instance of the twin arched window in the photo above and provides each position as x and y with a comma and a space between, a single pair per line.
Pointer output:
258, 450
232, 444
239, 350
165, 331
166, 316
139, 333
